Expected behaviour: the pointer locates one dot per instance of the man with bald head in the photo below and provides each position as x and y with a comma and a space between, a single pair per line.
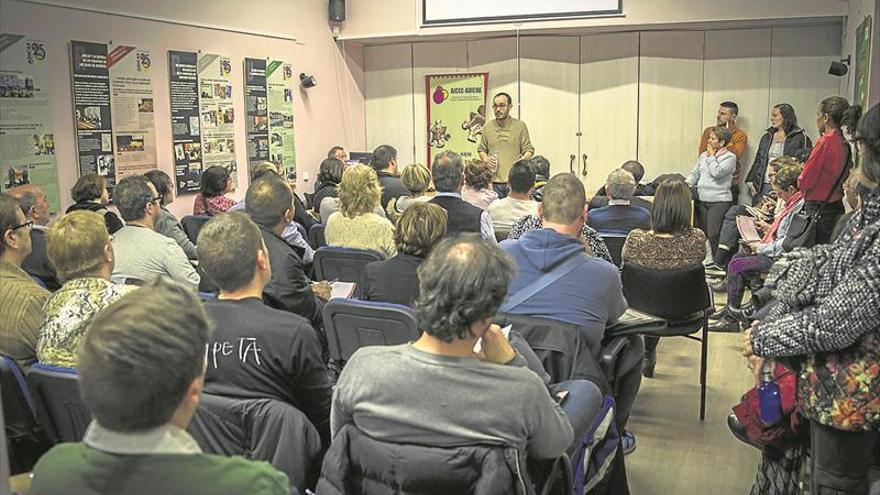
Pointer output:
33, 203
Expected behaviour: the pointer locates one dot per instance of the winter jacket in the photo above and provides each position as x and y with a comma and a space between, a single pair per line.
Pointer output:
359, 464
797, 145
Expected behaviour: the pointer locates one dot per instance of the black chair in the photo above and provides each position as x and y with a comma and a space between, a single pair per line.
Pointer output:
614, 243
59, 406
25, 440
672, 294
263, 430
351, 324
192, 225
344, 264
316, 236
501, 234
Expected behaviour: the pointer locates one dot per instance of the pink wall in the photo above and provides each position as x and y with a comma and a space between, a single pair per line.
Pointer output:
331, 113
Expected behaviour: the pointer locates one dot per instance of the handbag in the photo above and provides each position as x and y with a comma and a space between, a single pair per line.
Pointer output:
788, 429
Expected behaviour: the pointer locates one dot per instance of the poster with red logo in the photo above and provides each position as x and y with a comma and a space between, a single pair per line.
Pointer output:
217, 113
456, 106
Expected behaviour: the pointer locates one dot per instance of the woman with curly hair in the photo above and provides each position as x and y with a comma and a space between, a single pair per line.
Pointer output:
477, 188
212, 200
356, 224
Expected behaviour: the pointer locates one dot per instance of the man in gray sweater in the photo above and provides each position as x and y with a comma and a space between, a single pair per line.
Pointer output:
437, 391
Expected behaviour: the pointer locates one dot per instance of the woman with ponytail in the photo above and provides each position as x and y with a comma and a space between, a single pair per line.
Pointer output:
828, 166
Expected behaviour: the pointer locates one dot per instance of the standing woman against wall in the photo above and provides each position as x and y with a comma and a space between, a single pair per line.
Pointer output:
829, 163
783, 138
711, 178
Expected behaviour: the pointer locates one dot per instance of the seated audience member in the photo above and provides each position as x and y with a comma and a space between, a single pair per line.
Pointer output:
518, 202
447, 172
417, 179
477, 188
269, 206
291, 233
211, 199
79, 247
588, 295
384, 162
356, 225
595, 245
757, 257
167, 224
33, 203
339, 153
396, 280
711, 178
286, 360
620, 216
542, 174
21, 298
143, 254
638, 172
671, 244
405, 393
329, 176
141, 372
90, 193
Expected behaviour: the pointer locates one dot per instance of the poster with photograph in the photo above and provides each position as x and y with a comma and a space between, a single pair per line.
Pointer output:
456, 113
216, 112
91, 109
256, 112
131, 103
27, 143
185, 129
863, 62
279, 87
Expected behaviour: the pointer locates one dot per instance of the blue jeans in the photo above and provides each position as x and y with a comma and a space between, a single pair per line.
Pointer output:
584, 401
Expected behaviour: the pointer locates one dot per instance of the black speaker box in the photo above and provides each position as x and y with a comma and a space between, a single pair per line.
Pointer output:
337, 10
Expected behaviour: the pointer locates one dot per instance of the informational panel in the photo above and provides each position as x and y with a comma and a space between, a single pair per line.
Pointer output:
91, 109
217, 113
456, 113
862, 62
27, 143
185, 128
468, 11
269, 101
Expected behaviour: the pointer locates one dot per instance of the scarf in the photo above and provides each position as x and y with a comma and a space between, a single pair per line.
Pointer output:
786, 210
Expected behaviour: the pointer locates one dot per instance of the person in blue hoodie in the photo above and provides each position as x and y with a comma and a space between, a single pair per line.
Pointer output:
589, 295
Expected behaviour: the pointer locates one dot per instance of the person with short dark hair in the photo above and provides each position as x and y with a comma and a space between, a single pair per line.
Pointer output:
436, 391
505, 140
711, 180
476, 190
542, 175
384, 162
33, 203
280, 355
329, 177
726, 118
620, 216
395, 280
518, 203
167, 224
211, 199
269, 204
782, 138
21, 298
338, 153
90, 193
143, 254
447, 170
141, 373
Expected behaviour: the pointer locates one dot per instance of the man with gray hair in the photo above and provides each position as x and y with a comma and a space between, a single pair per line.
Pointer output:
33, 203
587, 293
620, 216
143, 254
447, 170
141, 372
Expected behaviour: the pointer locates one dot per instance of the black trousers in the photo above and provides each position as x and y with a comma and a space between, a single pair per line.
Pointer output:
709, 217
729, 236
841, 460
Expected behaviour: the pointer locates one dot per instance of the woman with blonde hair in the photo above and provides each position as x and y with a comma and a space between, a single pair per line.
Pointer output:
417, 179
356, 224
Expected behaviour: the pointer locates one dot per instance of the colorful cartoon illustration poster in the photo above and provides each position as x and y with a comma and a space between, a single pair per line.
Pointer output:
27, 143
183, 72
216, 112
131, 105
456, 112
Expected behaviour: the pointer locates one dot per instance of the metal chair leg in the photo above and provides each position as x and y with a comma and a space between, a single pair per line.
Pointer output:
703, 359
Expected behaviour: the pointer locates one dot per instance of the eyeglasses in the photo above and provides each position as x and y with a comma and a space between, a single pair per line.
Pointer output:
157, 199
29, 224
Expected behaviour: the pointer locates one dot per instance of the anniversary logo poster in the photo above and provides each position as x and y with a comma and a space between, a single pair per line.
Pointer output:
456, 113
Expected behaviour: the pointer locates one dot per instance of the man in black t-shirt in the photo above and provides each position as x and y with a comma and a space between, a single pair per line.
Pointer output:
257, 351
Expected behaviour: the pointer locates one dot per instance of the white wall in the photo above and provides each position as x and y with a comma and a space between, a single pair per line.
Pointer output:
331, 113
644, 96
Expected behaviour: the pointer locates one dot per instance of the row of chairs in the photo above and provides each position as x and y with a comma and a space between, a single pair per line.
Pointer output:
192, 225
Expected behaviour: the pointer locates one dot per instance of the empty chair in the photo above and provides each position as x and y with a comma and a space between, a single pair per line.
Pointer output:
59, 407
614, 243
25, 439
192, 224
260, 429
316, 236
672, 294
344, 264
352, 324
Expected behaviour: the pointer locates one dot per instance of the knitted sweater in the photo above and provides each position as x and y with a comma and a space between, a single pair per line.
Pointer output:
367, 231
712, 176
829, 316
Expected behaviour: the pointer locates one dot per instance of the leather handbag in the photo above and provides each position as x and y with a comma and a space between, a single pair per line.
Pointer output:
802, 230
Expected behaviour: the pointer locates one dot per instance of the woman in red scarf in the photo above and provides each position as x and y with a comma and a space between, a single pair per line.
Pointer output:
759, 256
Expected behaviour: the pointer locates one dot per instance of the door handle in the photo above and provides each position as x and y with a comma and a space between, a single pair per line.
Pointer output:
584, 169
571, 163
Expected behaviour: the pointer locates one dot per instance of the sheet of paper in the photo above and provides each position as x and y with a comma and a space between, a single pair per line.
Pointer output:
341, 289
478, 347
746, 227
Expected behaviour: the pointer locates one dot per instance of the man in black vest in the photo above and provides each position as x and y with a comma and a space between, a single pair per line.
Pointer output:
447, 170
384, 162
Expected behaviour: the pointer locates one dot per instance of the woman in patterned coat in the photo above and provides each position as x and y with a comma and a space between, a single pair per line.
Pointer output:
827, 326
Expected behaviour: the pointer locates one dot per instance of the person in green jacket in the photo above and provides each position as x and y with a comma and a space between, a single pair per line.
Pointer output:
141, 372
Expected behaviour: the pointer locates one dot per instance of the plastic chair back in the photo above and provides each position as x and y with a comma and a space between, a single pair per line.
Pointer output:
344, 264
668, 294
614, 243
59, 406
351, 324
192, 225
25, 440
316, 236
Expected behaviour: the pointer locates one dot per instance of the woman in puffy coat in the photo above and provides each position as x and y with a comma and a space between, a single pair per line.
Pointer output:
783, 138
827, 325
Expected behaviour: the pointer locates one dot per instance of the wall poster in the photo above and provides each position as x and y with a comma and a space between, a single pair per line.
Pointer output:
269, 87
91, 109
27, 143
456, 112
862, 63
185, 129
217, 113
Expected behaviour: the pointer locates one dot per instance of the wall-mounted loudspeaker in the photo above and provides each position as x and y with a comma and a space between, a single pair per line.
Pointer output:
337, 10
